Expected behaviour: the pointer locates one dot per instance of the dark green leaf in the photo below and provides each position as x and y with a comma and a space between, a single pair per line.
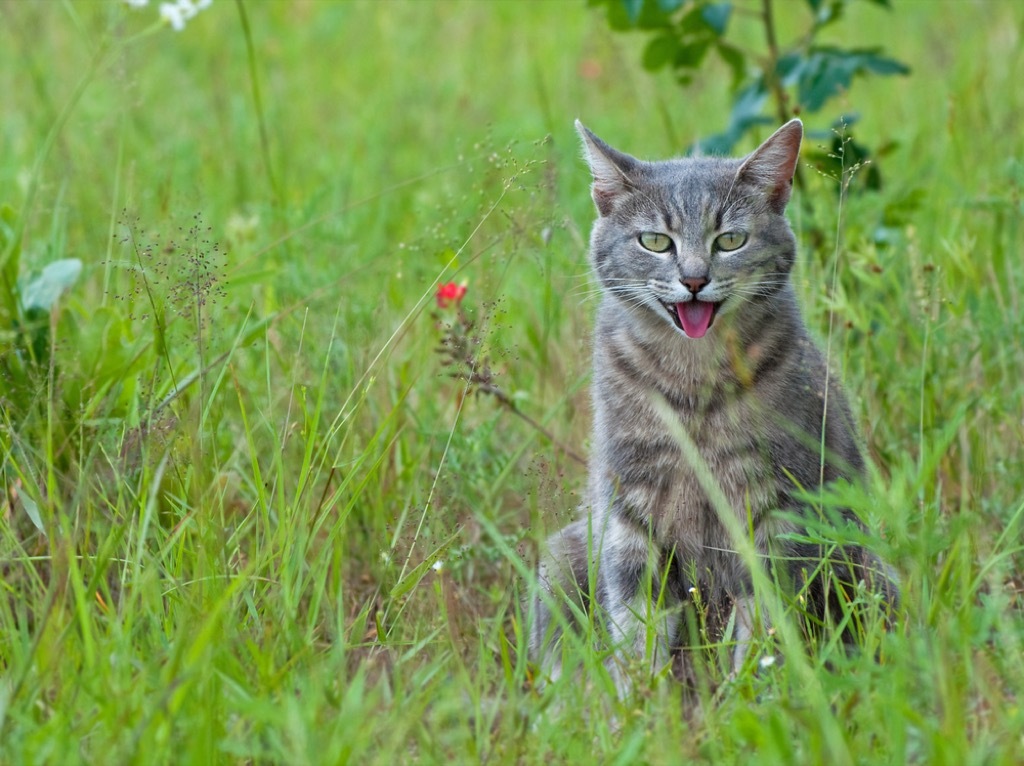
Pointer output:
720, 144
819, 81
692, 23
645, 14
748, 103
789, 67
844, 122
659, 52
849, 163
828, 11
669, 6
829, 71
717, 16
691, 55
883, 64
734, 59
617, 13
900, 211
633, 8
746, 113
10, 255
840, 126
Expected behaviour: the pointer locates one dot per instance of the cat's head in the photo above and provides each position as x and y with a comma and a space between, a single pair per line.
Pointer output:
692, 240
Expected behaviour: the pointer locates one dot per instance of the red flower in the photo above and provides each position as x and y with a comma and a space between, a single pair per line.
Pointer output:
449, 293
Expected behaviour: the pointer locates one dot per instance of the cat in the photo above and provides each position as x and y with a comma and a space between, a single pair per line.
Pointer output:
699, 333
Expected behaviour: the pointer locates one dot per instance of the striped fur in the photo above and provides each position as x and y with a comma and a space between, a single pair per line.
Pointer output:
751, 393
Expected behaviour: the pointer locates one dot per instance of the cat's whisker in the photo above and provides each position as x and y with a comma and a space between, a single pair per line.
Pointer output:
588, 293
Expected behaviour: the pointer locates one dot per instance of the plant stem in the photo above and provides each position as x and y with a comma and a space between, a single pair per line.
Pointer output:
506, 401
771, 76
258, 101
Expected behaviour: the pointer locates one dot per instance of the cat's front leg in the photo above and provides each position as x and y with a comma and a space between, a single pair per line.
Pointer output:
748, 619
642, 625
563, 584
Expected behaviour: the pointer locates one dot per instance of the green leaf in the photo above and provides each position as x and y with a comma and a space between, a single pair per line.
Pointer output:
659, 52
900, 211
717, 16
412, 579
749, 102
10, 255
789, 67
828, 71
827, 11
746, 113
633, 8
692, 23
847, 161
735, 60
618, 15
638, 14
8, 230
883, 64
32, 511
44, 290
691, 55
670, 6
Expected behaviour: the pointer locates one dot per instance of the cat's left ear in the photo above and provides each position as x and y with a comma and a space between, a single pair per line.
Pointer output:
612, 170
773, 164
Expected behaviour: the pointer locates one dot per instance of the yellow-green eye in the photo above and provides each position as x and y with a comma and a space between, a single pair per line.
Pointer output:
731, 240
655, 242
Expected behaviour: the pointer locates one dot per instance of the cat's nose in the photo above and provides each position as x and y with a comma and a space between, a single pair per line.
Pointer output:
694, 284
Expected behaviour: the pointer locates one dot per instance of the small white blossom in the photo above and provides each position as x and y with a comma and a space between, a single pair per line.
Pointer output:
180, 11
767, 661
171, 13
438, 565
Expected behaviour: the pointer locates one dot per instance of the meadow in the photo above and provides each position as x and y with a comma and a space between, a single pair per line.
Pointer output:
267, 501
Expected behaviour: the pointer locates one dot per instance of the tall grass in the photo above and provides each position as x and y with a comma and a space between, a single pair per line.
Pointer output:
250, 518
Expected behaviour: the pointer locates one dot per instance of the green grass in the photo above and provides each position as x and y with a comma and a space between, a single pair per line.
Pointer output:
245, 460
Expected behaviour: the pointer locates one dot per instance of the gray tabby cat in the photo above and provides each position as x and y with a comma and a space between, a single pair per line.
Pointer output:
698, 319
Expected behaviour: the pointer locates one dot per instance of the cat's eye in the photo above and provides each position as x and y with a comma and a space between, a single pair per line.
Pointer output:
731, 240
655, 242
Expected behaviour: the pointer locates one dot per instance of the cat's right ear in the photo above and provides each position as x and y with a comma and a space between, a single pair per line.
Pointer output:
611, 170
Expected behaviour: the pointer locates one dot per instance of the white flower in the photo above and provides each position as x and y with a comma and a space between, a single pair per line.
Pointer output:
180, 11
767, 661
171, 13
438, 565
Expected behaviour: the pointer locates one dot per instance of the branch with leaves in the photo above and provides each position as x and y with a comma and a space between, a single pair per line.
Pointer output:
771, 84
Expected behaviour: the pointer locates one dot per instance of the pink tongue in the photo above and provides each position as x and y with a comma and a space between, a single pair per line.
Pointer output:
695, 317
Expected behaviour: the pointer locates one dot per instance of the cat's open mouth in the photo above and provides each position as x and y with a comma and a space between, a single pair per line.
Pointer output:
693, 317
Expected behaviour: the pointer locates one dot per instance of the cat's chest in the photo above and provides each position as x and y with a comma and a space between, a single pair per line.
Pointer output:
677, 436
